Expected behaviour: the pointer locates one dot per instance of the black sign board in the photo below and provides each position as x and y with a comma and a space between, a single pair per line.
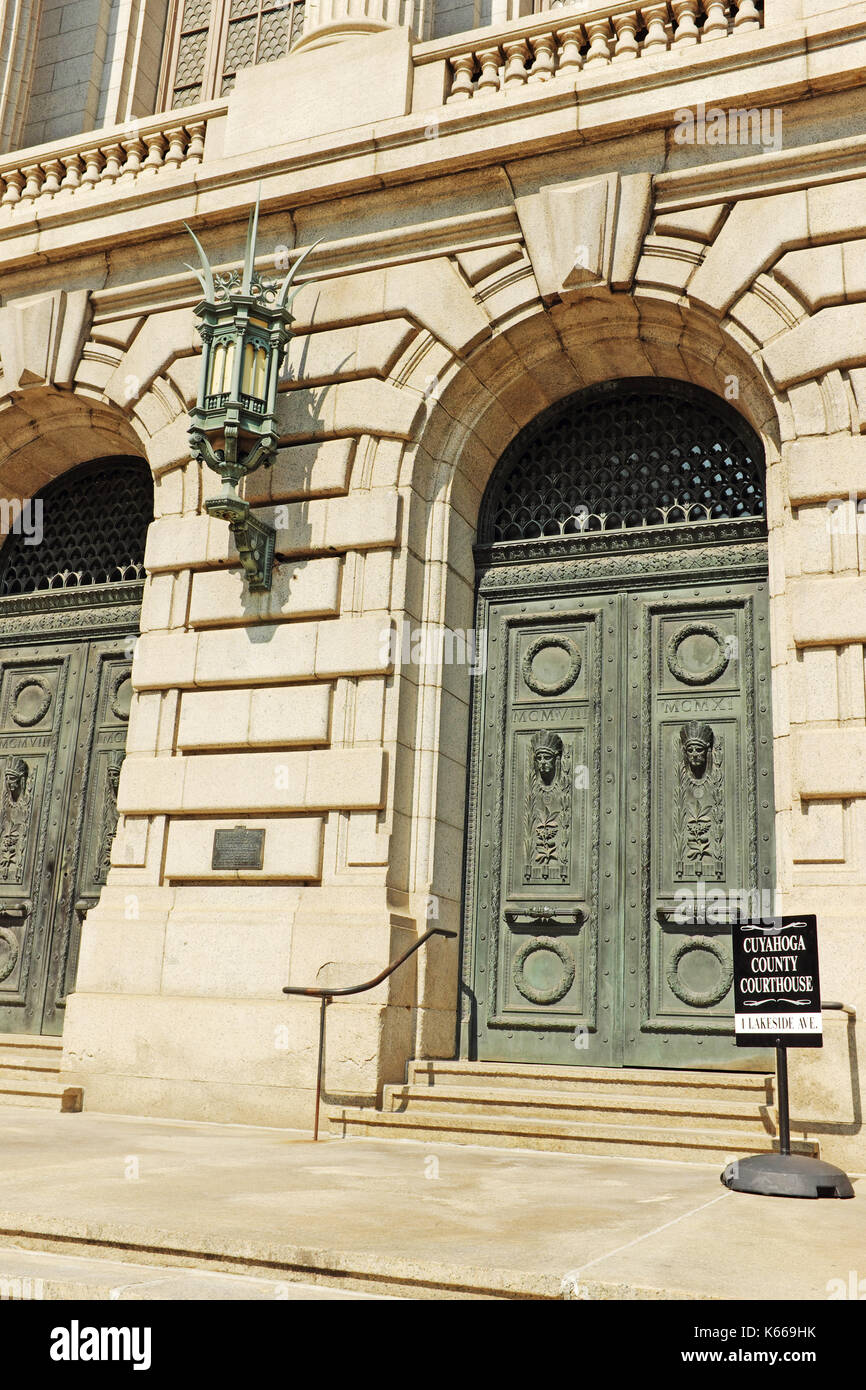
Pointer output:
239, 848
777, 993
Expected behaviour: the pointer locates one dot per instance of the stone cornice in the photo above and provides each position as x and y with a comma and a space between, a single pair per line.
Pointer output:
550, 117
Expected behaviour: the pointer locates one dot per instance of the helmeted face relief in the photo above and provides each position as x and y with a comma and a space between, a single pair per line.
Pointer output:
545, 763
14, 778
696, 756
697, 740
546, 752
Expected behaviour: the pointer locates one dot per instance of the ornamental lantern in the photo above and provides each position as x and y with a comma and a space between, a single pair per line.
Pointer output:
244, 324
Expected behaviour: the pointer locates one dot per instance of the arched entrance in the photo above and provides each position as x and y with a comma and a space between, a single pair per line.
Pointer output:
621, 800
71, 579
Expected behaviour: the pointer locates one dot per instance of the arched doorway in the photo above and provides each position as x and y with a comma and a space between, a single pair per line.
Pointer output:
621, 801
71, 579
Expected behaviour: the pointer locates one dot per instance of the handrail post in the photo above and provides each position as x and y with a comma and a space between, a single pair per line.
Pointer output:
326, 996
326, 999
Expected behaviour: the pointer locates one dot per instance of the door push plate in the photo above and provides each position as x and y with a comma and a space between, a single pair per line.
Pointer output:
535, 913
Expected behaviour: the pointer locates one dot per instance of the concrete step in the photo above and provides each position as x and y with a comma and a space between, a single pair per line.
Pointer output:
693, 1111
41, 1094
20, 1050
14, 1072
738, 1085
587, 1137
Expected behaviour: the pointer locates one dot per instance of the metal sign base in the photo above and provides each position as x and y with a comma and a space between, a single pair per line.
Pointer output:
786, 1175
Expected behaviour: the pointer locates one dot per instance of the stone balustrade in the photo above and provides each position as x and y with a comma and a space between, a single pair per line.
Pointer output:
563, 44
138, 150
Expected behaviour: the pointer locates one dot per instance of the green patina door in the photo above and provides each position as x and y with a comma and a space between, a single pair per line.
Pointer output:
70, 594
621, 800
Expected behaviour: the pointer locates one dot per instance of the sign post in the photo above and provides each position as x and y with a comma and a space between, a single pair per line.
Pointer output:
777, 1003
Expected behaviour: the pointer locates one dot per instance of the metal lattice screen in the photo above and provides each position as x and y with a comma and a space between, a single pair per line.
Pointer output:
630, 454
87, 527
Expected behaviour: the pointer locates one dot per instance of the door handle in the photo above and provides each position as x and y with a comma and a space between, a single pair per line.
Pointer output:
535, 913
710, 915
15, 912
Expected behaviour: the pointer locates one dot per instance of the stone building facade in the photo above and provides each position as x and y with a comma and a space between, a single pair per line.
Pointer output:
513, 210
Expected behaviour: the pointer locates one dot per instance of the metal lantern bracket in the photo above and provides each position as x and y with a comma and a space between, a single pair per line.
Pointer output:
245, 325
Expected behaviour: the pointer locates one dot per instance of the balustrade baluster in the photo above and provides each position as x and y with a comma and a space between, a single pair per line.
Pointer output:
156, 144
463, 68
685, 14
14, 181
516, 54
716, 22
655, 18
598, 33
626, 43
747, 16
93, 162
490, 61
570, 60
543, 61
195, 149
53, 174
113, 159
134, 150
74, 165
34, 176
177, 141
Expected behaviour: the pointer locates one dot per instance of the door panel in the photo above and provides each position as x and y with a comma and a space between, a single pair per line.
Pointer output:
623, 798
699, 808
63, 713
546, 975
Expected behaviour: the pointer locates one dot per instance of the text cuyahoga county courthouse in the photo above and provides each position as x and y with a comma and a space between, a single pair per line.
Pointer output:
561, 648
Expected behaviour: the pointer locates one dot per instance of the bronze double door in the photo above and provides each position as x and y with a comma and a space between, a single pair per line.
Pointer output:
621, 812
64, 709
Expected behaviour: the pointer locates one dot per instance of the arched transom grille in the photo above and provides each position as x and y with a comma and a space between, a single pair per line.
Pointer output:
86, 527
632, 454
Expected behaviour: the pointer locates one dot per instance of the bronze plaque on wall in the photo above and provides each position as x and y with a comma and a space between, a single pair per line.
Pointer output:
238, 848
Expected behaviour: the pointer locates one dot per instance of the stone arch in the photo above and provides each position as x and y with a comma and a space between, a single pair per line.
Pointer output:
481, 406
46, 432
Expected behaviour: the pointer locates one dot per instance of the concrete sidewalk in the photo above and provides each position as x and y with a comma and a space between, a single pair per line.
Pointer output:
394, 1218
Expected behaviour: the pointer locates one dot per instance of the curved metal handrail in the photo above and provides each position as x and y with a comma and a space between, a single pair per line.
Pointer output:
325, 994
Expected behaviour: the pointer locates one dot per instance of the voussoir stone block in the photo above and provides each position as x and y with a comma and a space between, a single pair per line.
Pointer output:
834, 337
753, 237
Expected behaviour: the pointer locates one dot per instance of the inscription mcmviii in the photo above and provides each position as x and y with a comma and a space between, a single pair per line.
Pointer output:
238, 848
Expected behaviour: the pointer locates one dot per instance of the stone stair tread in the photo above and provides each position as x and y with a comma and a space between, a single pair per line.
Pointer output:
22, 1071
31, 1040
752, 1081
31, 1087
574, 1100
714, 1139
